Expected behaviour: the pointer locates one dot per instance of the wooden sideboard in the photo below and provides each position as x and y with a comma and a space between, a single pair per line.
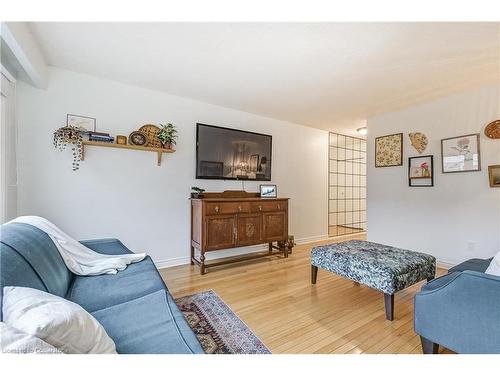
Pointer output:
235, 219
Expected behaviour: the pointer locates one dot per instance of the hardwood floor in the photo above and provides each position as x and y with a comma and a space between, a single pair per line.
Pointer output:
275, 298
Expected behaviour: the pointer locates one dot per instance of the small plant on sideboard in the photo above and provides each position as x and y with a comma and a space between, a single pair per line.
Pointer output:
197, 192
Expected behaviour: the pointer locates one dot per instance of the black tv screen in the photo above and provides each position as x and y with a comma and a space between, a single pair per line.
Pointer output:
230, 154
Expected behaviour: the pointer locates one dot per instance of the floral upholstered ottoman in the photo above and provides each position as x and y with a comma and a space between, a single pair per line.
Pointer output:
384, 268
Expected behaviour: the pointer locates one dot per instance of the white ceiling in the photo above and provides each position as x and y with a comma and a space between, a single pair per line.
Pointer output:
325, 75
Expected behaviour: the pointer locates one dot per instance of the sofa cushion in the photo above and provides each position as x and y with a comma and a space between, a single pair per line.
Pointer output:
57, 321
149, 324
19, 342
109, 246
101, 291
478, 265
38, 250
16, 271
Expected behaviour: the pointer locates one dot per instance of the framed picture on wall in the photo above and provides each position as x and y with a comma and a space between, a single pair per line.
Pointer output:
421, 171
389, 150
461, 154
84, 122
494, 174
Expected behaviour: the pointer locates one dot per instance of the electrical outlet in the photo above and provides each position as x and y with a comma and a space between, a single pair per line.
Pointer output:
471, 246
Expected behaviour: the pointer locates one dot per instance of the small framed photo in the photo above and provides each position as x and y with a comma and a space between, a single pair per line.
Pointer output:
268, 191
84, 122
389, 150
421, 171
494, 174
461, 154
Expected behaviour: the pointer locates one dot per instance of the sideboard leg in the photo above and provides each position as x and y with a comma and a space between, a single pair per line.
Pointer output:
389, 306
202, 263
270, 247
192, 255
285, 250
314, 274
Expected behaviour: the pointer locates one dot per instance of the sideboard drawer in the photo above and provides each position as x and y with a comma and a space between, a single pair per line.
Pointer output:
214, 208
269, 206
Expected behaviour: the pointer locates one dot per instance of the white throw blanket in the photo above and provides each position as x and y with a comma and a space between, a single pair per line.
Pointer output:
78, 258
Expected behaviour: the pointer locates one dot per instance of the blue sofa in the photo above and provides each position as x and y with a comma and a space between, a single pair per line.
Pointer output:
134, 306
460, 311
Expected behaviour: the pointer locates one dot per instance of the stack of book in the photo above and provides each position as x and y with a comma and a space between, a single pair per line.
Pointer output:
100, 137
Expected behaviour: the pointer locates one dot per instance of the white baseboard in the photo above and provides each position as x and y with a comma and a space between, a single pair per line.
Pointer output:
172, 262
446, 264
301, 241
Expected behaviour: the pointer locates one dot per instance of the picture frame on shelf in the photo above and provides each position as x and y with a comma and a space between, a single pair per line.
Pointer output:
494, 175
461, 154
79, 121
268, 191
389, 150
421, 171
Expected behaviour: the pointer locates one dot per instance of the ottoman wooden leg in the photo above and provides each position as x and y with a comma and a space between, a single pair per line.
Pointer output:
389, 306
314, 274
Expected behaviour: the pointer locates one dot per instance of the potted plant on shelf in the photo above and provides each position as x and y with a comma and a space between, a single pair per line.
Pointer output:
70, 135
197, 192
167, 135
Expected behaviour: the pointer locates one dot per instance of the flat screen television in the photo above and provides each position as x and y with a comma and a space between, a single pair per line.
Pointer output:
230, 154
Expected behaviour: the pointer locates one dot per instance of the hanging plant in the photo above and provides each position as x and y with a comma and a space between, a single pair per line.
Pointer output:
167, 135
70, 135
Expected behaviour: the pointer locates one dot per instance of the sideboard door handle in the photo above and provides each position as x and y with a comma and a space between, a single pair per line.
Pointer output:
279, 206
217, 209
260, 208
239, 208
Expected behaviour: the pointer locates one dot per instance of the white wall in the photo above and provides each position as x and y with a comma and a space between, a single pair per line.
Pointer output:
458, 218
8, 132
123, 193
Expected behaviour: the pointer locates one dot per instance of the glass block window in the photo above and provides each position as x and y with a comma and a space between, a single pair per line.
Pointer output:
346, 185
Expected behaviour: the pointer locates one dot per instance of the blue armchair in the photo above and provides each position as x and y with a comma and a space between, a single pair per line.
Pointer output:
460, 311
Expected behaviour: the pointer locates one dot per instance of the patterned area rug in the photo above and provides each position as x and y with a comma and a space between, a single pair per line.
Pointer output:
217, 327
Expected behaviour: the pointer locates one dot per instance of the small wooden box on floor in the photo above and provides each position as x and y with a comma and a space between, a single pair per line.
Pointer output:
234, 219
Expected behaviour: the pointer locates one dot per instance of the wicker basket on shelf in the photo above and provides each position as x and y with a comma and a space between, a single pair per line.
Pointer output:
151, 131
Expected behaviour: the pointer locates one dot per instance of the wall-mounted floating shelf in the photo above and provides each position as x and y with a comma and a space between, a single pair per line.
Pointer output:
159, 151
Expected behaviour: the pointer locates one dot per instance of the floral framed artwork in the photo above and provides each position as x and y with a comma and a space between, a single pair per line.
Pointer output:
421, 171
389, 150
461, 154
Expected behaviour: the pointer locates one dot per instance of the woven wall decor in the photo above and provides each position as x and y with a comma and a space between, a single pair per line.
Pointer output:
492, 130
151, 131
